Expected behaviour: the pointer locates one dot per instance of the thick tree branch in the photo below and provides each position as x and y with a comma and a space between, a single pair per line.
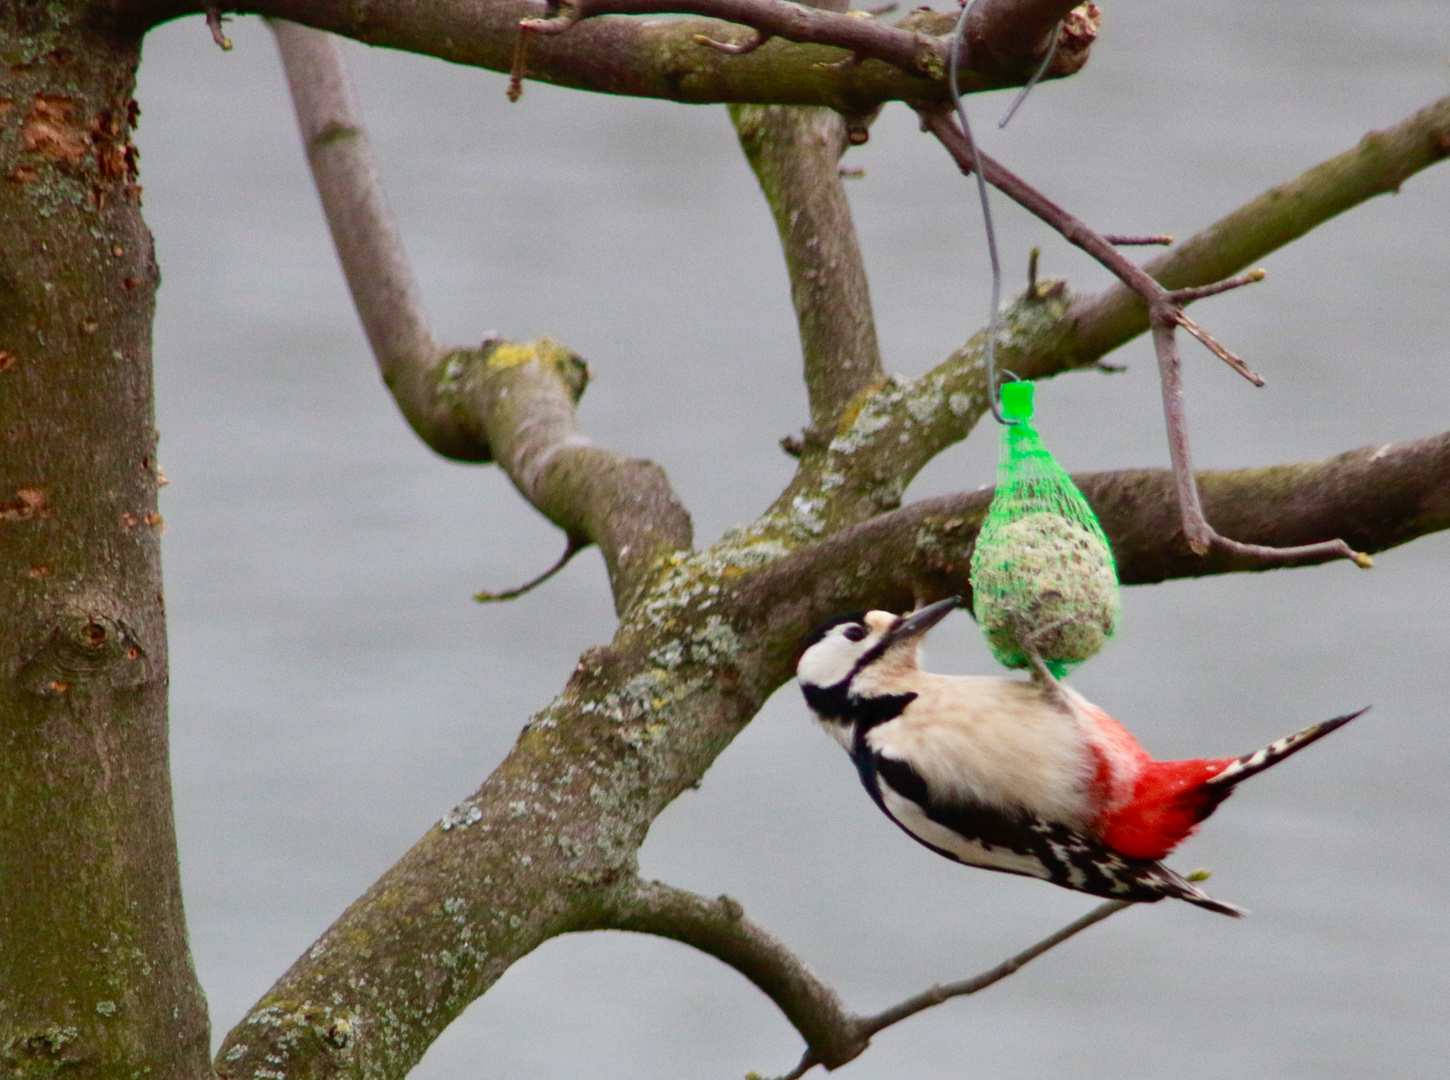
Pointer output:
795, 154
1001, 34
833, 1035
1376, 497
513, 403
936, 995
655, 58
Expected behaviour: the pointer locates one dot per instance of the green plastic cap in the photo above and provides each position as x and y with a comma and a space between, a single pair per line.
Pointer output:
1017, 400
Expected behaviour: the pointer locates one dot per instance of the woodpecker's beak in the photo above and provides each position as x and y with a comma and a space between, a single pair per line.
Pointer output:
917, 623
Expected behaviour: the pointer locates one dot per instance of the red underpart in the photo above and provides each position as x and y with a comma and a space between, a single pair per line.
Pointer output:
1118, 758
1148, 807
1167, 804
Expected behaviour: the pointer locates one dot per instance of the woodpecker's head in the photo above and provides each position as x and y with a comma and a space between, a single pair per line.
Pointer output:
864, 654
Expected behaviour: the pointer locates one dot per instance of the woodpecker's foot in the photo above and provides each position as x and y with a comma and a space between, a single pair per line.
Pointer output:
1042, 674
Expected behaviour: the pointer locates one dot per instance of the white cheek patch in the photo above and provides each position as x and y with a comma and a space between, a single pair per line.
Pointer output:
911, 818
828, 662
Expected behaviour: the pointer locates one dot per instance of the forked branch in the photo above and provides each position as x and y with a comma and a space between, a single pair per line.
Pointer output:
504, 401
1165, 315
901, 427
833, 1035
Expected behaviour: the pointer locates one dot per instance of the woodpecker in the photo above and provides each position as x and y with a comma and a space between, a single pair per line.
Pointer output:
1026, 777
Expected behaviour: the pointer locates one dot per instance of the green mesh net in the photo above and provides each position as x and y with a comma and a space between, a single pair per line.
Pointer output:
1043, 577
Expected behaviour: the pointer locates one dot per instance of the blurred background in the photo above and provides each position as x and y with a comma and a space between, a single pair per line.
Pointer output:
336, 689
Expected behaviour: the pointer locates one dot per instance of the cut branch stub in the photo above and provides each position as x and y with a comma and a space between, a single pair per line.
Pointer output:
660, 58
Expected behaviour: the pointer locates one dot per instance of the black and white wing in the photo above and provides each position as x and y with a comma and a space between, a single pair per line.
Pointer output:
980, 835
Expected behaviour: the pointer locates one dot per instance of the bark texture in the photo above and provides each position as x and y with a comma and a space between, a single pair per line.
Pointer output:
95, 980
794, 151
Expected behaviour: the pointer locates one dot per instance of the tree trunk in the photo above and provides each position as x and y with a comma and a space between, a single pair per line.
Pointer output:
95, 978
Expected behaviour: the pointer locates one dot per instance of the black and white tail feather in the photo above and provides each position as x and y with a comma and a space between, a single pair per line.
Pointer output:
1275, 752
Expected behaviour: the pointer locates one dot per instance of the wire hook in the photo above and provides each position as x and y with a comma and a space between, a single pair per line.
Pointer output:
1036, 76
958, 42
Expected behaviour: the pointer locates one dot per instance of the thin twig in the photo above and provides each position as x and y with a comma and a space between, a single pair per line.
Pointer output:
1162, 239
833, 1036
1072, 228
1202, 537
214, 20
519, 68
575, 545
1212, 344
938, 994
1187, 296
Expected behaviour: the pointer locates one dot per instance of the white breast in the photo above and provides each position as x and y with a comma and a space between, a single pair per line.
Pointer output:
998, 742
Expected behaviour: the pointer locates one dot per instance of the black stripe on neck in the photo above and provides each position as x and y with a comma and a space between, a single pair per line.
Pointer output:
864, 713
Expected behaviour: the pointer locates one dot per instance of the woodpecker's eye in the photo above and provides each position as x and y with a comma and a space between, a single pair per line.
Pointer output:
854, 632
